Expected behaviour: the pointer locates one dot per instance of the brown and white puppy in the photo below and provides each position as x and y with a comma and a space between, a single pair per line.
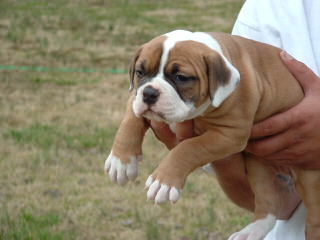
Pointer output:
225, 84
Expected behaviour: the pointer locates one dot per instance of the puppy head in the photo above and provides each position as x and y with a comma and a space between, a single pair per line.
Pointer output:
176, 76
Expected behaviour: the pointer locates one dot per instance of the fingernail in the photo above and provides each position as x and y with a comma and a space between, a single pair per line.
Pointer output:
286, 56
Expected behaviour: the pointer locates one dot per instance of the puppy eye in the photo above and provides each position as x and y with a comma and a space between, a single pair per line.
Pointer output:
182, 78
140, 73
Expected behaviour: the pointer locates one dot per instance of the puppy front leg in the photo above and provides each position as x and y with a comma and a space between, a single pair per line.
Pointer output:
122, 162
169, 177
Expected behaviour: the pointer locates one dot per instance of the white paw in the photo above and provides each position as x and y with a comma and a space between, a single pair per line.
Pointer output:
161, 193
119, 172
256, 230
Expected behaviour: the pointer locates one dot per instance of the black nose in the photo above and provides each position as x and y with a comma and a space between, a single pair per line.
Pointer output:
150, 95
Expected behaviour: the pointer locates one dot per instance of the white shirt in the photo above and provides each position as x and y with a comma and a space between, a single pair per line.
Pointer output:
293, 25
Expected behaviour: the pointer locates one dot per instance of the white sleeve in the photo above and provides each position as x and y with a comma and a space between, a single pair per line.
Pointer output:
253, 24
284, 24
247, 31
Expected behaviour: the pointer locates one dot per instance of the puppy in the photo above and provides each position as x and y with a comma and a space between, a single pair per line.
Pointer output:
225, 84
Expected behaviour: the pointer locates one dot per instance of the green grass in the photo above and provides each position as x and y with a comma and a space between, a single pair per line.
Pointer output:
156, 231
28, 226
49, 136
42, 136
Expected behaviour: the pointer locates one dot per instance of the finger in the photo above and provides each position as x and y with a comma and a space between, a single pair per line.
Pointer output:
288, 158
184, 130
306, 77
271, 145
283, 157
295, 155
273, 125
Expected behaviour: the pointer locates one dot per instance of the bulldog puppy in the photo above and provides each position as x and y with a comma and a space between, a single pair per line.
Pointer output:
225, 84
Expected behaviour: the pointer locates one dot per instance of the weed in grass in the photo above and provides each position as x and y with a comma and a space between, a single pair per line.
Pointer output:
15, 34
137, 216
29, 226
207, 219
189, 187
211, 217
64, 81
39, 135
96, 138
49, 136
156, 231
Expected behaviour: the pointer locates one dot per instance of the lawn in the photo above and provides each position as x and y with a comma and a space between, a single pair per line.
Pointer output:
63, 88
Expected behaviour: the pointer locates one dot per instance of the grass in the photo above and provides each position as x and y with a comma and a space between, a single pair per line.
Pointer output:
56, 128
29, 226
45, 137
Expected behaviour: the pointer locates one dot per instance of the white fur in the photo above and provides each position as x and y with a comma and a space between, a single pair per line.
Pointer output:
119, 172
256, 230
161, 193
153, 190
174, 194
149, 181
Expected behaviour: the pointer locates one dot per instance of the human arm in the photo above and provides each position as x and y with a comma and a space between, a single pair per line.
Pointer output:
163, 132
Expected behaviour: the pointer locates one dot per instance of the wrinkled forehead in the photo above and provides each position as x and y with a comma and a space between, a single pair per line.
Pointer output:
155, 54
177, 36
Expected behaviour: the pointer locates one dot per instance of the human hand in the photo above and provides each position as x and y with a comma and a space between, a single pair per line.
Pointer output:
163, 132
292, 137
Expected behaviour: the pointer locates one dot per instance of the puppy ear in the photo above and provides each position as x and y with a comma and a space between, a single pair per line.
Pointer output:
132, 71
222, 76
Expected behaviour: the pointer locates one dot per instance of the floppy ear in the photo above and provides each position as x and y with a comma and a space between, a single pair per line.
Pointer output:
132, 68
222, 76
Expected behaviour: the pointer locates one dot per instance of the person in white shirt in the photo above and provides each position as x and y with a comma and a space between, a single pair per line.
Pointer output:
292, 137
